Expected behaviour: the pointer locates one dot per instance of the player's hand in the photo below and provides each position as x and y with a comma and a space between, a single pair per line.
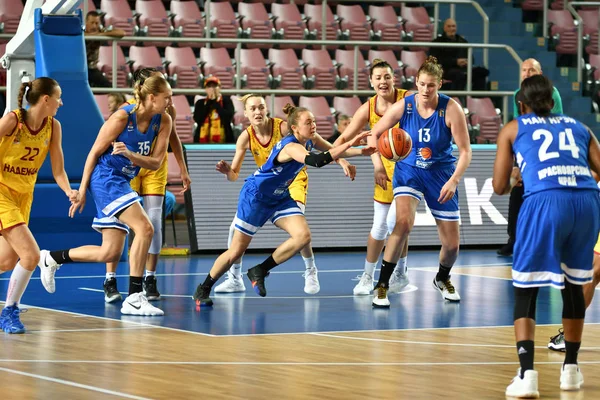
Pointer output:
186, 181
73, 195
447, 192
381, 178
359, 139
515, 177
349, 169
78, 204
223, 167
121, 148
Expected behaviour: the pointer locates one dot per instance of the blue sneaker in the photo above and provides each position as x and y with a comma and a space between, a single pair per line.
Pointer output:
9, 320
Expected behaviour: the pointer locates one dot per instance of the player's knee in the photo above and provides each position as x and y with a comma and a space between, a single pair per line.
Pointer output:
452, 247
145, 230
303, 237
403, 226
379, 231
573, 301
28, 261
525, 302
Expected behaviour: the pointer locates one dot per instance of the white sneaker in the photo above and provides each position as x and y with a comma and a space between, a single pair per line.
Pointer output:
398, 281
447, 289
232, 284
48, 269
311, 281
364, 286
526, 388
380, 300
137, 304
571, 377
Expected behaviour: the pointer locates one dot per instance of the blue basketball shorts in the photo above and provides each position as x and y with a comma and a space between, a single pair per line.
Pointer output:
112, 193
254, 210
556, 233
426, 184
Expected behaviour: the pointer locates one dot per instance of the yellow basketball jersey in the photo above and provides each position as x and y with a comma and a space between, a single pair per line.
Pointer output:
261, 151
22, 153
384, 196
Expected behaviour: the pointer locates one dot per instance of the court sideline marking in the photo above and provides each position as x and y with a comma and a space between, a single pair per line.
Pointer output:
70, 383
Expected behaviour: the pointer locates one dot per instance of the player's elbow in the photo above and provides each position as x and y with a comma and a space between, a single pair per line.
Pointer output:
318, 160
499, 186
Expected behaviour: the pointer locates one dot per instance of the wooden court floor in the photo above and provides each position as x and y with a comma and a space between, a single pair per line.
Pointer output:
71, 356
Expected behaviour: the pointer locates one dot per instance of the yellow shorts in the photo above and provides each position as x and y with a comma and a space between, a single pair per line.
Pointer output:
14, 207
151, 183
386, 196
299, 188
597, 247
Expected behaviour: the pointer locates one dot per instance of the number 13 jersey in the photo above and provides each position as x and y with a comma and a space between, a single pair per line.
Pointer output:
552, 153
23, 152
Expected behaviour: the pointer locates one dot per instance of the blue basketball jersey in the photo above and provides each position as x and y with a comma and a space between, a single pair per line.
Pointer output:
273, 178
136, 141
431, 137
552, 153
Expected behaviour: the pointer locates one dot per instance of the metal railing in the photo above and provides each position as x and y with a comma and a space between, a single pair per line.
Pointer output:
571, 7
355, 44
436, 3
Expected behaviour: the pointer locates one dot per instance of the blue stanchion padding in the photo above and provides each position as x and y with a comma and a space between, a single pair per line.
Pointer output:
60, 54
50, 223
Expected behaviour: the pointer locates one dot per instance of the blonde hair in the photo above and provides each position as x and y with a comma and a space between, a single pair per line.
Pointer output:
293, 114
431, 67
155, 84
244, 99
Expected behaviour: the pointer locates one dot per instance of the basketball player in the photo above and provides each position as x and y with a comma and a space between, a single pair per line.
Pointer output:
25, 139
382, 80
557, 226
433, 120
266, 196
122, 147
151, 185
259, 138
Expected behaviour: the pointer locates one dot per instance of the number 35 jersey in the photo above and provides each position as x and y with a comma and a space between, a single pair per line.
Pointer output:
23, 152
136, 141
552, 153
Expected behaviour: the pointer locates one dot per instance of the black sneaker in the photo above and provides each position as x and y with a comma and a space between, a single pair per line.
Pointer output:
202, 296
111, 293
557, 343
506, 250
150, 290
257, 277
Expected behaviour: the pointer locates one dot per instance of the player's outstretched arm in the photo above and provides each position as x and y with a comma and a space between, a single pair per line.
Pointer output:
232, 171
324, 145
358, 122
503, 164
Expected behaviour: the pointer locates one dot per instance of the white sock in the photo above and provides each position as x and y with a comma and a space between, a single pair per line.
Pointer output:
370, 267
401, 266
18, 282
309, 262
236, 270
150, 273
110, 275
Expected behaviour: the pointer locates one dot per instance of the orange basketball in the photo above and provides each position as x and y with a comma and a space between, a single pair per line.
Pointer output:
395, 144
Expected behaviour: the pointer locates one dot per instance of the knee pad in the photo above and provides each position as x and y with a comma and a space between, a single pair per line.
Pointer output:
379, 230
525, 302
391, 219
153, 207
573, 301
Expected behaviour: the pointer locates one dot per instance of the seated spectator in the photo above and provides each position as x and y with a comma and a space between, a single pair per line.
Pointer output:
115, 101
342, 123
213, 114
454, 61
92, 48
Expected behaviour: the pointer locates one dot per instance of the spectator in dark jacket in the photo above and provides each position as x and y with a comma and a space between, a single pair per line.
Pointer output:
454, 61
213, 114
